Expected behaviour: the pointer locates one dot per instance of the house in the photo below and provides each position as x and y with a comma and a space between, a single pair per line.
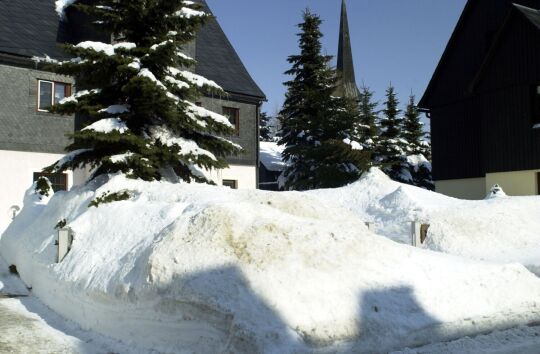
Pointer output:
32, 138
484, 102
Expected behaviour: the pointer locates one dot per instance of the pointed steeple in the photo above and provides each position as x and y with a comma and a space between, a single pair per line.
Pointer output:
345, 66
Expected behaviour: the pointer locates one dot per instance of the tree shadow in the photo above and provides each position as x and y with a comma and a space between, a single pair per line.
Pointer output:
391, 319
241, 320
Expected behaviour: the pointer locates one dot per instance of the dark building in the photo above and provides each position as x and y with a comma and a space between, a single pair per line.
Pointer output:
484, 101
32, 138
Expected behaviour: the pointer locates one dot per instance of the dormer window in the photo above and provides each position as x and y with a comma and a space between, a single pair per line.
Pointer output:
51, 93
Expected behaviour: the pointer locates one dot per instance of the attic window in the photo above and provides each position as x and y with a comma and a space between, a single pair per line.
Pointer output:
51, 93
234, 117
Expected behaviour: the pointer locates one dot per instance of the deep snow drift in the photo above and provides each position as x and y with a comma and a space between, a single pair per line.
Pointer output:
201, 269
501, 229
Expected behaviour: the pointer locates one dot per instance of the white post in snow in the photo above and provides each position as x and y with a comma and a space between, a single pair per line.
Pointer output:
65, 239
415, 234
419, 233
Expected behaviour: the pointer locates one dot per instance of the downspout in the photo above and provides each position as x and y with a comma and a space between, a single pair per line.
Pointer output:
258, 132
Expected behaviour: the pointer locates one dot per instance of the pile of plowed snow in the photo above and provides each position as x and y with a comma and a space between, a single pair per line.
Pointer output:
505, 229
201, 269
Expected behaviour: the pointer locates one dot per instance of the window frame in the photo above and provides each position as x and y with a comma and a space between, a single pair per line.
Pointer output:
38, 175
67, 92
538, 183
237, 117
232, 185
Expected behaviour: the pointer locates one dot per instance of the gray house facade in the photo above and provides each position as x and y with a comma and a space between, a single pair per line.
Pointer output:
32, 138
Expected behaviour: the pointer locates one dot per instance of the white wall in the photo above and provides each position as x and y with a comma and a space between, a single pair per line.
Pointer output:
246, 176
516, 183
470, 188
17, 176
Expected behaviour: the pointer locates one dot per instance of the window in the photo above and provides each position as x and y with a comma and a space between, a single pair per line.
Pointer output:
536, 107
58, 180
234, 117
230, 183
51, 93
538, 182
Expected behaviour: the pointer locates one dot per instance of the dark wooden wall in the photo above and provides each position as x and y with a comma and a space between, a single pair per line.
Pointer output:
473, 134
505, 95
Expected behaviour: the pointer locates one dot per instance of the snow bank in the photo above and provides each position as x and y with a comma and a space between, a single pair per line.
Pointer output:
194, 268
270, 155
498, 229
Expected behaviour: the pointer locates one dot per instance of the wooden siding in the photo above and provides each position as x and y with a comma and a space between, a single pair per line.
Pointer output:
465, 54
505, 97
490, 129
456, 137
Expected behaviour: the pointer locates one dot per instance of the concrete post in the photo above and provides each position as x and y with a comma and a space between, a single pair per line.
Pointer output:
415, 234
65, 239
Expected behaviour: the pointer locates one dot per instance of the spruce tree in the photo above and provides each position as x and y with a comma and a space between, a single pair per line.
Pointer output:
391, 150
366, 129
264, 128
412, 127
317, 128
139, 95
418, 148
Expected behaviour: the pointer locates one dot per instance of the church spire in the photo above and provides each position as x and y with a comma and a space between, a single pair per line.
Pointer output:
345, 66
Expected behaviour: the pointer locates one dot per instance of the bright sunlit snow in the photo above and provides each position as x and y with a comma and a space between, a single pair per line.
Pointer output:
208, 269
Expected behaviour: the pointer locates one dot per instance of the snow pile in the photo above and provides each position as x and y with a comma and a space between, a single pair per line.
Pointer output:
270, 155
500, 229
61, 5
496, 192
419, 161
194, 268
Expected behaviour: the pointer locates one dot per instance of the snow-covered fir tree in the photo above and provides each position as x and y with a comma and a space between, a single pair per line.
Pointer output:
317, 128
138, 95
418, 147
391, 147
366, 129
413, 128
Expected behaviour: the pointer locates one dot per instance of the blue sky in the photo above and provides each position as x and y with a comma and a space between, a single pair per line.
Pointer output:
398, 41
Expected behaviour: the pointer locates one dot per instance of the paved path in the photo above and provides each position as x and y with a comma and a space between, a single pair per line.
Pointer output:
22, 333
29, 327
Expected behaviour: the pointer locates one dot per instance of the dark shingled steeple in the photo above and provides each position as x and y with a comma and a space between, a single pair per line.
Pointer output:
345, 66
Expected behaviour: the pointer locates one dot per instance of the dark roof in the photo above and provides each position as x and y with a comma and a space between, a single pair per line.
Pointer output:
218, 61
467, 12
453, 39
532, 15
345, 66
525, 13
33, 28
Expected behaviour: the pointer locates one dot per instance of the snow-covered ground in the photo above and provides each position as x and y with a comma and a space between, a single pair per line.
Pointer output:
521, 340
504, 230
202, 269
27, 326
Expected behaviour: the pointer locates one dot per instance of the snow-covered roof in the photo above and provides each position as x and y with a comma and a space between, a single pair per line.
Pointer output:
270, 155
